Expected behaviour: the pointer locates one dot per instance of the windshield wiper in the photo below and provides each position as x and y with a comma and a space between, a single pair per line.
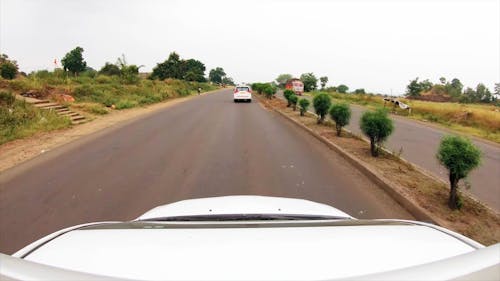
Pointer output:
246, 217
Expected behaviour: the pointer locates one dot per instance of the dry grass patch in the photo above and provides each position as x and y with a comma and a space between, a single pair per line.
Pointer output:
473, 220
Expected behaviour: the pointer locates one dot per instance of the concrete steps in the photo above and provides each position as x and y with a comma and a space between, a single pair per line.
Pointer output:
62, 110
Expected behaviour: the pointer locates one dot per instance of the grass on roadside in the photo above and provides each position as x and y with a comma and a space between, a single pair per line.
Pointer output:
109, 91
19, 119
473, 220
479, 120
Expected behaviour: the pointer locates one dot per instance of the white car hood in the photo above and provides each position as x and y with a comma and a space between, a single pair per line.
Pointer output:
243, 204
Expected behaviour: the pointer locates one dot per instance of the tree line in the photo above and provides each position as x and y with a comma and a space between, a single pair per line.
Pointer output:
311, 83
173, 67
454, 90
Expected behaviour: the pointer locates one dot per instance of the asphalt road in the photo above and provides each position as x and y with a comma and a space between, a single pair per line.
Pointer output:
208, 146
419, 143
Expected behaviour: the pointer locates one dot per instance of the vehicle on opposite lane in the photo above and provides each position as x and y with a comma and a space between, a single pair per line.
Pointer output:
253, 237
242, 93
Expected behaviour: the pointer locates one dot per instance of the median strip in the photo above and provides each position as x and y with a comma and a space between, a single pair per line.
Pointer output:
421, 194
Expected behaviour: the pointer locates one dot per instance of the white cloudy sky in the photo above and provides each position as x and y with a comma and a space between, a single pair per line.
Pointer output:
375, 44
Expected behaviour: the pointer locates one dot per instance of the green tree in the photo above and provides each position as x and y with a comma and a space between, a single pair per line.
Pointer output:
304, 105
459, 156
442, 80
287, 93
227, 80
310, 81
110, 69
293, 100
455, 83
170, 68
74, 62
321, 103
259, 87
129, 73
426, 85
8, 68
360, 91
216, 75
269, 91
377, 126
483, 94
193, 70
323, 80
414, 88
282, 79
342, 89
341, 114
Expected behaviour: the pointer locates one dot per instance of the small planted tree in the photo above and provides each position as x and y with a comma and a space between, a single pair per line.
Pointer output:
293, 101
377, 126
304, 105
321, 103
460, 156
287, 94
269, 91
341, 114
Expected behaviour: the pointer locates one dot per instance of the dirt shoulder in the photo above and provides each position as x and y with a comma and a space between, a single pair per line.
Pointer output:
407, 184
21, 150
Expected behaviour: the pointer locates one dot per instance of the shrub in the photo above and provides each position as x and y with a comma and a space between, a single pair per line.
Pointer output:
293, 100
459, 155
377, 126
8, 68
259, 87
7, 99
341, 114
287, 94
304, 105
110, 69
269, 91
321, 103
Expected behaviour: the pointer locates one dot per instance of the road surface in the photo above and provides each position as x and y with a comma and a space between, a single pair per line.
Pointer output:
208, 146
419, 143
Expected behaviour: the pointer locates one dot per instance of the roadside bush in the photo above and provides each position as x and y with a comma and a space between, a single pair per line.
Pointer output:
8, 68
287, 94
460, 156
304, 105
7, 99
341, 114
293, 100
321, 103
23, 119
269, 91
377, 126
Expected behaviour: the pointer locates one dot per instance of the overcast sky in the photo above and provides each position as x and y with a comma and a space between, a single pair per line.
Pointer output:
371, 44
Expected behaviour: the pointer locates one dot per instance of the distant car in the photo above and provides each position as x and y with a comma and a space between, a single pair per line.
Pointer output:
253, 238
242, 93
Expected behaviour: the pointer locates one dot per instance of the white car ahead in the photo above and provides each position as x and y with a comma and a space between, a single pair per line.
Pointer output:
253, 238
242, 93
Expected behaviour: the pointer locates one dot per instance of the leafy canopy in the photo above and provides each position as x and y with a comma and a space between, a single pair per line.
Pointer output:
377, 125
282, 79
73, 61
216, 75
8, 68
341, 114
321, 103
310, 81
459, 155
